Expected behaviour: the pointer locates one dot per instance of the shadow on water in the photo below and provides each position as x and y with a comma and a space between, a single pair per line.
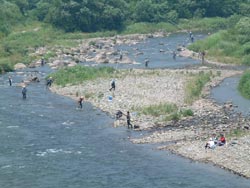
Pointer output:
47, 142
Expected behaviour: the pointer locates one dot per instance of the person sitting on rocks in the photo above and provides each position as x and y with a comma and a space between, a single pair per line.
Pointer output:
215, 139
222, 140
210, 144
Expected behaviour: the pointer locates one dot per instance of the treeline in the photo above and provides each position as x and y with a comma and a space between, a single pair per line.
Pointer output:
99, 15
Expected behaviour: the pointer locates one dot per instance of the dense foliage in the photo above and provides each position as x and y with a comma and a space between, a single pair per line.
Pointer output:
96, 15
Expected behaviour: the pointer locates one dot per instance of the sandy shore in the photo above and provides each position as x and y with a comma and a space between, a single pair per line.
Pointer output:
187, 137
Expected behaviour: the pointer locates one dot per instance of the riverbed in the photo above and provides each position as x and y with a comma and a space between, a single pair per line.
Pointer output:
47, 142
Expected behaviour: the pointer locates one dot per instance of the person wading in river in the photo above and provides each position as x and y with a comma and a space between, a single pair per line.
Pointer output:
174, 55
49, 82
24, 92
80, 101
203, 57
146, 62
10, 81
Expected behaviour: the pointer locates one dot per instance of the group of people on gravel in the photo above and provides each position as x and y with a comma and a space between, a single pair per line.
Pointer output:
214, 142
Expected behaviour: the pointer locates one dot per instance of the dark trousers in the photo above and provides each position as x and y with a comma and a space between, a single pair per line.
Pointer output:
24, 95
80, 104
129, 124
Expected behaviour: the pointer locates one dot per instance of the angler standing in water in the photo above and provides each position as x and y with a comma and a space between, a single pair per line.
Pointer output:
42, 61
80, 101
49, 82
24, 92
203, 53
146, 62
10, 80
174, 55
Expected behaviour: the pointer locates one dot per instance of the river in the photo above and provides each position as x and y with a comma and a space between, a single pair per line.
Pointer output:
47, 143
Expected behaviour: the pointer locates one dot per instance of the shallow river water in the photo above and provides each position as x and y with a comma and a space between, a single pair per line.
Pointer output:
45, 142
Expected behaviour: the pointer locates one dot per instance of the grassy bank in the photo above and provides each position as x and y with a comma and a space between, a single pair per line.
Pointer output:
25, 39
165, 111
228, 46
244, 85
195, 85
78, 74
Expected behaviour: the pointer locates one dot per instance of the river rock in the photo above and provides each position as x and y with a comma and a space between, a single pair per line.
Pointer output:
19, 66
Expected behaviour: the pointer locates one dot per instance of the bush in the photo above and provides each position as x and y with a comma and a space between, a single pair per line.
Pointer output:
161, 109
5, 66
187, 112
194, 86
244, 85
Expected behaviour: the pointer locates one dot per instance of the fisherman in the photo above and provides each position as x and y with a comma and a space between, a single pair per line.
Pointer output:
42, 61
24, 92
112, 85
146, 62
128, 120
174, 55
203, 57
80, 101
190, 34
10, 80
121, 56
49, 82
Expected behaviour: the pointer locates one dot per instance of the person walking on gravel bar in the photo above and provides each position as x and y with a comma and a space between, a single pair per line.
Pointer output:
112, 85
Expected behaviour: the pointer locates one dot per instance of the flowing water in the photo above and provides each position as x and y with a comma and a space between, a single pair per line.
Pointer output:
159, 52
227, 91
46, 142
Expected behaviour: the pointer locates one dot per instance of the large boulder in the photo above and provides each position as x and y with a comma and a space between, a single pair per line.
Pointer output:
19, 66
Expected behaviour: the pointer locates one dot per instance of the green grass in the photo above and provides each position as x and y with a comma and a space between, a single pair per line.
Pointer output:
195, 85
244, 85
79, 74
230, 46
166, 111
145, 28
208, 24
237, 133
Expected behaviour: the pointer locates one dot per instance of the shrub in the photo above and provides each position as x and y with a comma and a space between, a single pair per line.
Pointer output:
195, 85
244, 85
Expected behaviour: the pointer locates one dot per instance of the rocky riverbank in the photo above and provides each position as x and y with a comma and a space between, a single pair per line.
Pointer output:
137, 89
141, 88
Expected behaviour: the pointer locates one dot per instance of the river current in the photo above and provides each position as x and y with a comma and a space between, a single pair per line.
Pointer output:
46, 142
